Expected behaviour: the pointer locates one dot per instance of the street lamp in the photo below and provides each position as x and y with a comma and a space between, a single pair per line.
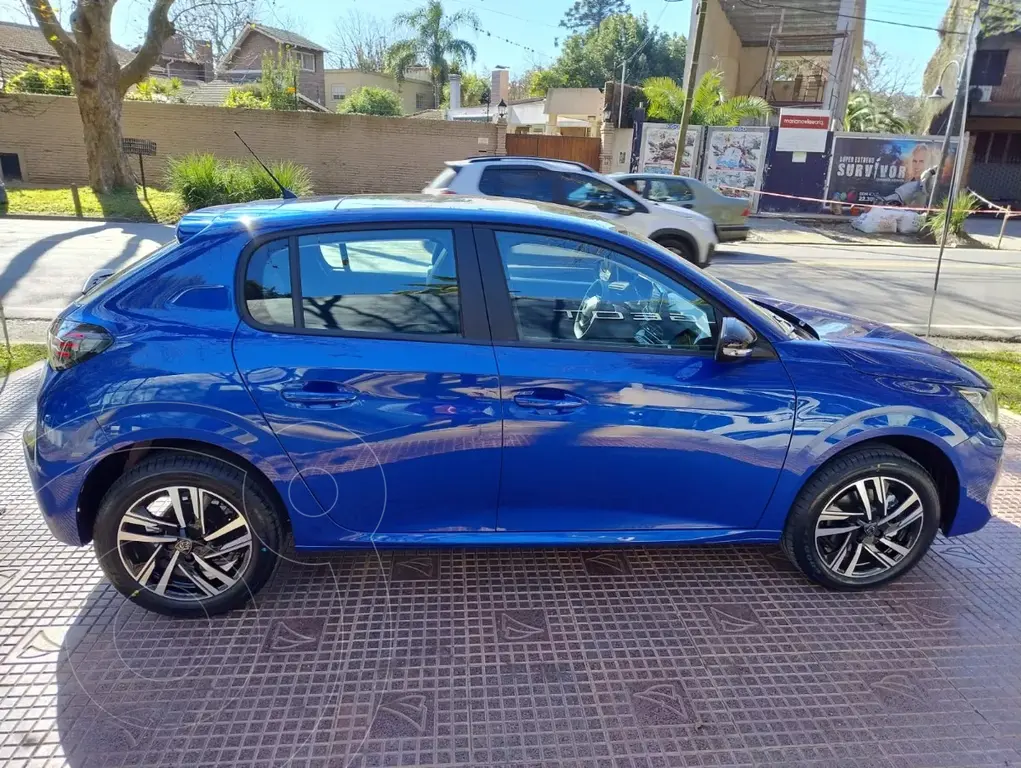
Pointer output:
937, 93
501, 109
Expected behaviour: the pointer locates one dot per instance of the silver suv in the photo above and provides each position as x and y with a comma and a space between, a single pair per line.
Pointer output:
688, 234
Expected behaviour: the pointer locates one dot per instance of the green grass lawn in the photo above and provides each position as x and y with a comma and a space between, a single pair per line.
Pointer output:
1003, 369
165, 207
20, 356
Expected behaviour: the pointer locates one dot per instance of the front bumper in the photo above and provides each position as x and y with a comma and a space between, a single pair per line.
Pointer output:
979, 461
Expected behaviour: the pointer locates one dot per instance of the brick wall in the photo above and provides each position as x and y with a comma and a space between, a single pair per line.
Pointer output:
345, 154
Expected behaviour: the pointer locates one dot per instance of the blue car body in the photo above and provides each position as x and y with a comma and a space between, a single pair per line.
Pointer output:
431, 442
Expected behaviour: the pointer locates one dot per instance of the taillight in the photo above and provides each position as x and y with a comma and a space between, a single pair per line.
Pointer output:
746, 213
69, 342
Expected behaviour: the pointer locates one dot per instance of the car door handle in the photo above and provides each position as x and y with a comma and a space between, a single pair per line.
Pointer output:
319, 393
529, 399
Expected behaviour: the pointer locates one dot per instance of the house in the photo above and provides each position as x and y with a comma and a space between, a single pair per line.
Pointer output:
215, 92
415, 91
797, 53
994, 108
22, 45
243, 62
184, 60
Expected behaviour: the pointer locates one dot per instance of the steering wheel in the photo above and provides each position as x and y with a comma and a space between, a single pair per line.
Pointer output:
585, 318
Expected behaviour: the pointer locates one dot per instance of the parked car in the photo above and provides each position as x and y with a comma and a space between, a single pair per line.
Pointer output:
688, 234
729, 214
411, 372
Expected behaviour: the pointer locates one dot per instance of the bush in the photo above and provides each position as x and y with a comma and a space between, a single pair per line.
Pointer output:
964, 204
35, 80
245, 97
372, 101
204, 180
156, 89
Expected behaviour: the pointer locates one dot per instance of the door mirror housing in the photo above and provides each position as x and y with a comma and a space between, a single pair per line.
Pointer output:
737, 340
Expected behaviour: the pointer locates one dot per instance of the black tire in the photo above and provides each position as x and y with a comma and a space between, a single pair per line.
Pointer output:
168, 468
682, 248
799, 537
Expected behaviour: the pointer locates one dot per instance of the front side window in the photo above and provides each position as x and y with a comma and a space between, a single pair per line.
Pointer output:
670, 191
385, 282
268, 285
591, 194
525, 183
568, 291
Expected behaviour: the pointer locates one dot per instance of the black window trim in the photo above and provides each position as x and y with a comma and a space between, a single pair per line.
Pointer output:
559, 197
474, 323
501, 311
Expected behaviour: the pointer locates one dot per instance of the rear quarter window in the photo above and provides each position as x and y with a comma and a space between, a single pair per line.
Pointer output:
525, 183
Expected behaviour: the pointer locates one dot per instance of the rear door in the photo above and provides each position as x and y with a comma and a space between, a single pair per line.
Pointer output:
367, 350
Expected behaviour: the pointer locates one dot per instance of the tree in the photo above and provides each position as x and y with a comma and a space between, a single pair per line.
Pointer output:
885, 84
710, 104
586, 15
473, 89
361, 42
434, 43
868, 114
217, 23
277, 89
589, 59
372, 101
100, 80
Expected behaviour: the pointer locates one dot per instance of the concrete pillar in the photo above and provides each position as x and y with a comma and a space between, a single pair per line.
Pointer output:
606, 148
838, 79
455, 91
721, 47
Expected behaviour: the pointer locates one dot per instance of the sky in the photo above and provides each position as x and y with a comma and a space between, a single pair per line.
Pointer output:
515, 26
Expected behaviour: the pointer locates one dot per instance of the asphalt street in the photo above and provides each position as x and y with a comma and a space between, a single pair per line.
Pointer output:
44, 263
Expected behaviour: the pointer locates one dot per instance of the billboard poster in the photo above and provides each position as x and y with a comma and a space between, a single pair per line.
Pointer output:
659, 143
886, 170
734, 161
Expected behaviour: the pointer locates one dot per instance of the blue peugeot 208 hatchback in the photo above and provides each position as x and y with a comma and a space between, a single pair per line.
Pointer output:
411, 372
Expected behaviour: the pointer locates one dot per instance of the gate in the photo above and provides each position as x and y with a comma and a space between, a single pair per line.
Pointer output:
581, 149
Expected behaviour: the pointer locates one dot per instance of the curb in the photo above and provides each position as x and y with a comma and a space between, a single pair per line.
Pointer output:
61, 217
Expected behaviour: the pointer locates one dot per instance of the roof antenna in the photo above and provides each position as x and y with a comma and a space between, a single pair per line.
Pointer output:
285, 193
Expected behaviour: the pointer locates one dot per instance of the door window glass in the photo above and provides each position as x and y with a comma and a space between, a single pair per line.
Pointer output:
567, 291
591, 194
386, 282
664, 191
526, 183
268, 285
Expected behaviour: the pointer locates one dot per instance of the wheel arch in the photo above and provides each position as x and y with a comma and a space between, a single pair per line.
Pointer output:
675, 234
106, 471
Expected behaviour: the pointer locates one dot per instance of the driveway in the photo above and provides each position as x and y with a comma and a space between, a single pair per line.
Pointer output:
573, 658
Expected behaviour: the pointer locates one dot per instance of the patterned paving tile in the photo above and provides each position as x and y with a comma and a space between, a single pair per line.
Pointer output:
542, 658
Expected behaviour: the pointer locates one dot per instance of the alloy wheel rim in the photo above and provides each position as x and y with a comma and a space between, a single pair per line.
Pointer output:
869, 527
184, 543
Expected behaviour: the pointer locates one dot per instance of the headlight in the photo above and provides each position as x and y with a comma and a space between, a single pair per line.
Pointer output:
984, 401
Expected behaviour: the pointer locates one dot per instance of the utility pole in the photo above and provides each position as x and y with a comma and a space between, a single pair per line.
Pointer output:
690, 88
976, 24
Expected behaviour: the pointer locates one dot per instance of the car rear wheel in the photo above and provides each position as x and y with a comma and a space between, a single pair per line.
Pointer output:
681, 248
187, 535
863, 520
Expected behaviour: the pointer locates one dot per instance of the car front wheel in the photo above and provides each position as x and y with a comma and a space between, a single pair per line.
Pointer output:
187, 535
863, 520
683, 249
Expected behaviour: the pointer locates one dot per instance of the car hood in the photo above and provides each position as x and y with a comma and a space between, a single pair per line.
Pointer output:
877, 349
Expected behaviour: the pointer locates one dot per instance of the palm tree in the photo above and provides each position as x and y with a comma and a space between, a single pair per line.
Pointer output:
710, 104
433, 43
867, 114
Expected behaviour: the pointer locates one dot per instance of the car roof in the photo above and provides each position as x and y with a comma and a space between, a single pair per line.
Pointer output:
264, 216
544, 162
620, 175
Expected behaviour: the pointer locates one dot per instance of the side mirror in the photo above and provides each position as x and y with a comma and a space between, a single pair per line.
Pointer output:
624, 210
736, 340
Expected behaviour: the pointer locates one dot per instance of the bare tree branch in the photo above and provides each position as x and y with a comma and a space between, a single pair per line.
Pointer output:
361, 42
217, 22
55, 34
160, 28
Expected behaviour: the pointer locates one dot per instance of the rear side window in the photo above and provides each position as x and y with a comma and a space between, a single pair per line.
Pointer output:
268, 285
525, 183
384, 282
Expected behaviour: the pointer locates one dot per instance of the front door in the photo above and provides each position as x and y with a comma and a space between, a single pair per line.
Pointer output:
368, 353
616, 414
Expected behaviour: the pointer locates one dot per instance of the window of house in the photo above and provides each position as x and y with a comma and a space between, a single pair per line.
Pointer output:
339, 91
988, 67
982, 146
423, 101
998, 147
268, 285
10, 166
566, 291
384, 282
307, 61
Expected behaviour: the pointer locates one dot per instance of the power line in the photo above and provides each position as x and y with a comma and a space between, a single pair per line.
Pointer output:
759, 5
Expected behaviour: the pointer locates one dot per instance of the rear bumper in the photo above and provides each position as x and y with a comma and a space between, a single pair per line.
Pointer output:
730, 233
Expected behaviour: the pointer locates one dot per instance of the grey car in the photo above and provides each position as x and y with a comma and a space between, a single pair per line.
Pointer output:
729, 214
